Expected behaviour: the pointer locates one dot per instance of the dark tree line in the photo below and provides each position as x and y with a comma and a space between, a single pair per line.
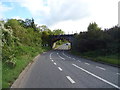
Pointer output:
106, 41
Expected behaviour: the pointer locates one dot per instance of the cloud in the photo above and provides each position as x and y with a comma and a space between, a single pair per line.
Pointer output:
36, 7
54, 11
63, 10
18, 17
103, 12
4, 9
72, 15
71, 26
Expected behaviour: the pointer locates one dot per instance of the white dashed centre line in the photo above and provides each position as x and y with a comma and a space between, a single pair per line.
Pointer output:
74, 58
87, 63
60, 68
61, 57
70, 79
96, 76
52, 60
55, 63
100, 68
65, 55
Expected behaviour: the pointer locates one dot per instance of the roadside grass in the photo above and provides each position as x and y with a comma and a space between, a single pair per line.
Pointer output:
96, 56
112, 59
9, 75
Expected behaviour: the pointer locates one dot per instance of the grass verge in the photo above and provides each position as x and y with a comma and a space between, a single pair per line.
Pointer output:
10, 74
96, 56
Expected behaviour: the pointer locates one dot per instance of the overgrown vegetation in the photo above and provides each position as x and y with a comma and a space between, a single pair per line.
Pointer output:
99, 45
60, 42
21, 42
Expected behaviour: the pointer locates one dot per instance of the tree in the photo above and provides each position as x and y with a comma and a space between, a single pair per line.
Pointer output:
93, 26
45, 37
33, 25
44, 28
28, 23
58, 32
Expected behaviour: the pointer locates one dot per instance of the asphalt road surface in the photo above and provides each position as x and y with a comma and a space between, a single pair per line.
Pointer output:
59, 69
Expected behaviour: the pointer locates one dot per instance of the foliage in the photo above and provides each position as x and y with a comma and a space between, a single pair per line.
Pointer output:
60, 42
58, 32
21, 41
16, 33
106, 41
93, 27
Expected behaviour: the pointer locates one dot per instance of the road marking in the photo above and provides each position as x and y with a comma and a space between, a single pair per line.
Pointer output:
74, 58
65, 55
87, 63
70, 79
61, 57
55, 63
50, 55
97, 76
118, 73
100, 68
57, 53
52, 60
60, 68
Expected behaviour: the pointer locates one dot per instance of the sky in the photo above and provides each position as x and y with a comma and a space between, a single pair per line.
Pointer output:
69, 15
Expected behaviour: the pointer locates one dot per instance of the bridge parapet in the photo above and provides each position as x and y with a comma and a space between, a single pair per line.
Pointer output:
69, 37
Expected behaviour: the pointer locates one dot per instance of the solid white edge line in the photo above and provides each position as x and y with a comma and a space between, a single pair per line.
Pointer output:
60, 68
100, 68
70, 79
97, 77
50, 55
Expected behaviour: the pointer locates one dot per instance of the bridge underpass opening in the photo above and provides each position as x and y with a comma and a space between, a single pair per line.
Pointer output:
61, 44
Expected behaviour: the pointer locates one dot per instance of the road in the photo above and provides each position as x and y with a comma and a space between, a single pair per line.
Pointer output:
59, 69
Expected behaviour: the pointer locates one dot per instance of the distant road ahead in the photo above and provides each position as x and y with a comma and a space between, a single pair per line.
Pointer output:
59, 69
